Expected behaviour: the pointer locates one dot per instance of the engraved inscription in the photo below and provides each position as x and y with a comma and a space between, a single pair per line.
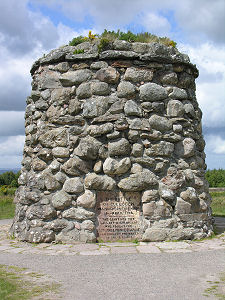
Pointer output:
118, 216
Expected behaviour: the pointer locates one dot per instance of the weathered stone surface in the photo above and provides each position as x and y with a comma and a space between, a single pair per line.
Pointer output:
132, 109
109, 75
121, 147
77, 214
137, 150
95, 130
182, 207
95, 107
175, 108
138, 75
152, 92
38, 165
185, 148
160, 123
126, 90
100, 88
160, 149
71, 78
54, 138
74, 107
84, 90
169, 78
87, 200
154, 235
99, 182
99, 65
61, 200
73, 185
60, 152
138, 182
150, 195
88, 148
116, 166
76, 166
178, 93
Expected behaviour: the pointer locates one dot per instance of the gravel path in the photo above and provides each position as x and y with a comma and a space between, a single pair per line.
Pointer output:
165, 270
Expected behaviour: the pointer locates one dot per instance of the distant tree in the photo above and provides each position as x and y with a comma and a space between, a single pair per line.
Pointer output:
216, 178
9, 178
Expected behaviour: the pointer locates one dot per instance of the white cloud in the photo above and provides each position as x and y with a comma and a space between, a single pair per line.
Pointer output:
12, 146
156, 24
215, 144
210, 60
11, 123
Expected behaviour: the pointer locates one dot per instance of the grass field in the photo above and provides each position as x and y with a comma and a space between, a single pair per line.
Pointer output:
19, 284
218, 203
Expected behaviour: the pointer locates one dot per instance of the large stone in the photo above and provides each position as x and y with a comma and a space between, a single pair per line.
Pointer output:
152, 92
98, 130
189, 195
109, 75
178, 93
84, 90
78, 214
182, 207
61, 200
185, 148
169, 78
138, 182
95, 106
60, 152
88, 148
71, 78
73, 185
126, 90
99, 182
55, 137
150, 195
87, 200
175, 108
154, 235
76, 166
100, 88
138, 75
121, 147
131, 108
160, 123
74, 107
116, 166
160, 149
38, 164
137, 150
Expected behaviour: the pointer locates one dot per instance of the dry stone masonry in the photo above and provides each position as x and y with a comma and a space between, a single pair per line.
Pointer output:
114, 148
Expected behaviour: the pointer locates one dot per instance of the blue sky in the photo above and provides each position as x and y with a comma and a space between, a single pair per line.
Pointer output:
30, 28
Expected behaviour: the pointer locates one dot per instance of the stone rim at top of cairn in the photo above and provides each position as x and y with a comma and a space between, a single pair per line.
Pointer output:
114, 147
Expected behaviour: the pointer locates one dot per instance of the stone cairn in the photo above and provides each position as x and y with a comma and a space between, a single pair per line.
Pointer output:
114, 147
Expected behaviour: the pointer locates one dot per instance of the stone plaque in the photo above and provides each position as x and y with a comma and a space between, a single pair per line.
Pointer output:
118, 216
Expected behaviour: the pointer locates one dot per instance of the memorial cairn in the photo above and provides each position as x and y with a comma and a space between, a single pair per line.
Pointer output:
114, 147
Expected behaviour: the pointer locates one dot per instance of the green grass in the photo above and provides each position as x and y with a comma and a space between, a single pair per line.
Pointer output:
108, 37
218, 204
7, 208
217, 288
15, 284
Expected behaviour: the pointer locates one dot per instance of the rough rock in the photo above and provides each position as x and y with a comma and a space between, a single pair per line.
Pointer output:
116, 166
138, 182
99, 182
61, 200
73, 185
152, 92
